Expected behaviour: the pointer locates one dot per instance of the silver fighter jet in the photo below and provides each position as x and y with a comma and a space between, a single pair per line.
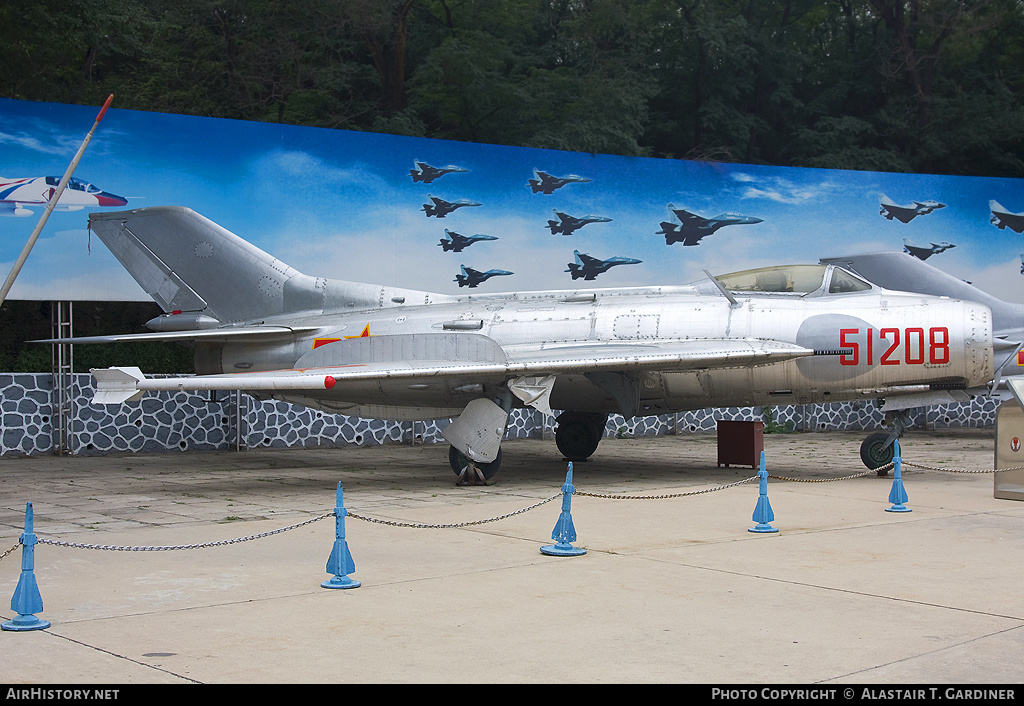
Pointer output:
776, 335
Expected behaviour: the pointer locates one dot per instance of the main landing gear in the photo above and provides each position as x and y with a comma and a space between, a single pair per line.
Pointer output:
578, 434
469, 471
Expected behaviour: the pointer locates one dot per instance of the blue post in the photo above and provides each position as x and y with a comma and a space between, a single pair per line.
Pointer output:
340, 561
27, 600
564, 533
763, 511
898, 494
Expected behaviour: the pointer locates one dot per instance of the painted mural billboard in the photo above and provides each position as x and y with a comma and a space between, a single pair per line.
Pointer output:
453, 217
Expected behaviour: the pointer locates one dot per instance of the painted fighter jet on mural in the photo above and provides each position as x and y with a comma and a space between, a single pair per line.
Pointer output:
907, 213
454, 242
567, 225
1002, 218
427, 174
471, 278
923, 253
801, 334
544, 183
690, 228
17, 194
441, 208
589, 267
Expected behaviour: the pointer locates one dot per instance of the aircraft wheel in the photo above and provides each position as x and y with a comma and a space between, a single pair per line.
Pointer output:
577, 437
458, 461
875, 452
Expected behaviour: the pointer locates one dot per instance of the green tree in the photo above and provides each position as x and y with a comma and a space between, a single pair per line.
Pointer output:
904, 85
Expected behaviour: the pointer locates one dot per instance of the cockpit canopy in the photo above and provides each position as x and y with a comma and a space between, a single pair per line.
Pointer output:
795, 279
74, 183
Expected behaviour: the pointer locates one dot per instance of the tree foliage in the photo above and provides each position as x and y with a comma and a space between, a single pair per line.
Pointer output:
24, 321
884, 85
892, 85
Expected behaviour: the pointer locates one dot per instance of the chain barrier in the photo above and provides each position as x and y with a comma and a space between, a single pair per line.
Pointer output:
204, 545
27, 600
10, 550
959, 470
416, 525
874, 471
609, 496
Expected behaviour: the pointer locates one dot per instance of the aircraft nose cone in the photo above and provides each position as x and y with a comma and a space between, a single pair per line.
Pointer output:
105, 198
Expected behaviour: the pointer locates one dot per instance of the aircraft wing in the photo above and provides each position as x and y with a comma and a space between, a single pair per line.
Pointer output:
903, 214
1004, 218
466, 358
11, 208
212, 335
690, 219
534, 359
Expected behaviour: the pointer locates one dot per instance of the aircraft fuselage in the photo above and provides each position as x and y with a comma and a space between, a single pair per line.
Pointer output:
889, 339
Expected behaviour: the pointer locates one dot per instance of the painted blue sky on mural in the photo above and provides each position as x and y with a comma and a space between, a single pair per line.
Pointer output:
342, 204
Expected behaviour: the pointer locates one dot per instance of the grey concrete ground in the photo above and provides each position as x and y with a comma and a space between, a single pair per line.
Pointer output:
670, 590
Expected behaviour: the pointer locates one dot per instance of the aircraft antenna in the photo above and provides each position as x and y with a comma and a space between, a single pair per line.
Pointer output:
721, 288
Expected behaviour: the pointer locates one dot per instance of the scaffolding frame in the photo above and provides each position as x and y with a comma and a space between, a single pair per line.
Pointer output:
62, 368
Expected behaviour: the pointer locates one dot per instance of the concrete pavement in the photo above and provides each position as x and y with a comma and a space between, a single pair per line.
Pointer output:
670, 590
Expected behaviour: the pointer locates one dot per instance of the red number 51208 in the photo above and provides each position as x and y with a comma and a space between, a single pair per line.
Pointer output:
909, 346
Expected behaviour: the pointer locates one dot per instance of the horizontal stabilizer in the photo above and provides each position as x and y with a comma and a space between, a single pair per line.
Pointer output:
211, 335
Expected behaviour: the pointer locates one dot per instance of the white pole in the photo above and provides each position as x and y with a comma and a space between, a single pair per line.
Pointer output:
50, 204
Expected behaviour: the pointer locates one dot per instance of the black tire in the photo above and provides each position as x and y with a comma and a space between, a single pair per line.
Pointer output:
875, 452
457, 460
577, 436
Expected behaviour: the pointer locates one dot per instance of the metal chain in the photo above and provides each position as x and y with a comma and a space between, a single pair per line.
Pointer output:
395, 523
10, 550
958, 470
608, 496
223, 542
829, 480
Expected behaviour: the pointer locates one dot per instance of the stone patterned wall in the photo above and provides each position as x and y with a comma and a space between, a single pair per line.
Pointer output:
25, 414
184, 421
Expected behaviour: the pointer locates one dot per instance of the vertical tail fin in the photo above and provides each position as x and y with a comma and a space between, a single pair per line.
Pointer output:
189, 263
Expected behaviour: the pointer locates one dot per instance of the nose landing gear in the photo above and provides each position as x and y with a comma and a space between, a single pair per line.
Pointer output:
878, 450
